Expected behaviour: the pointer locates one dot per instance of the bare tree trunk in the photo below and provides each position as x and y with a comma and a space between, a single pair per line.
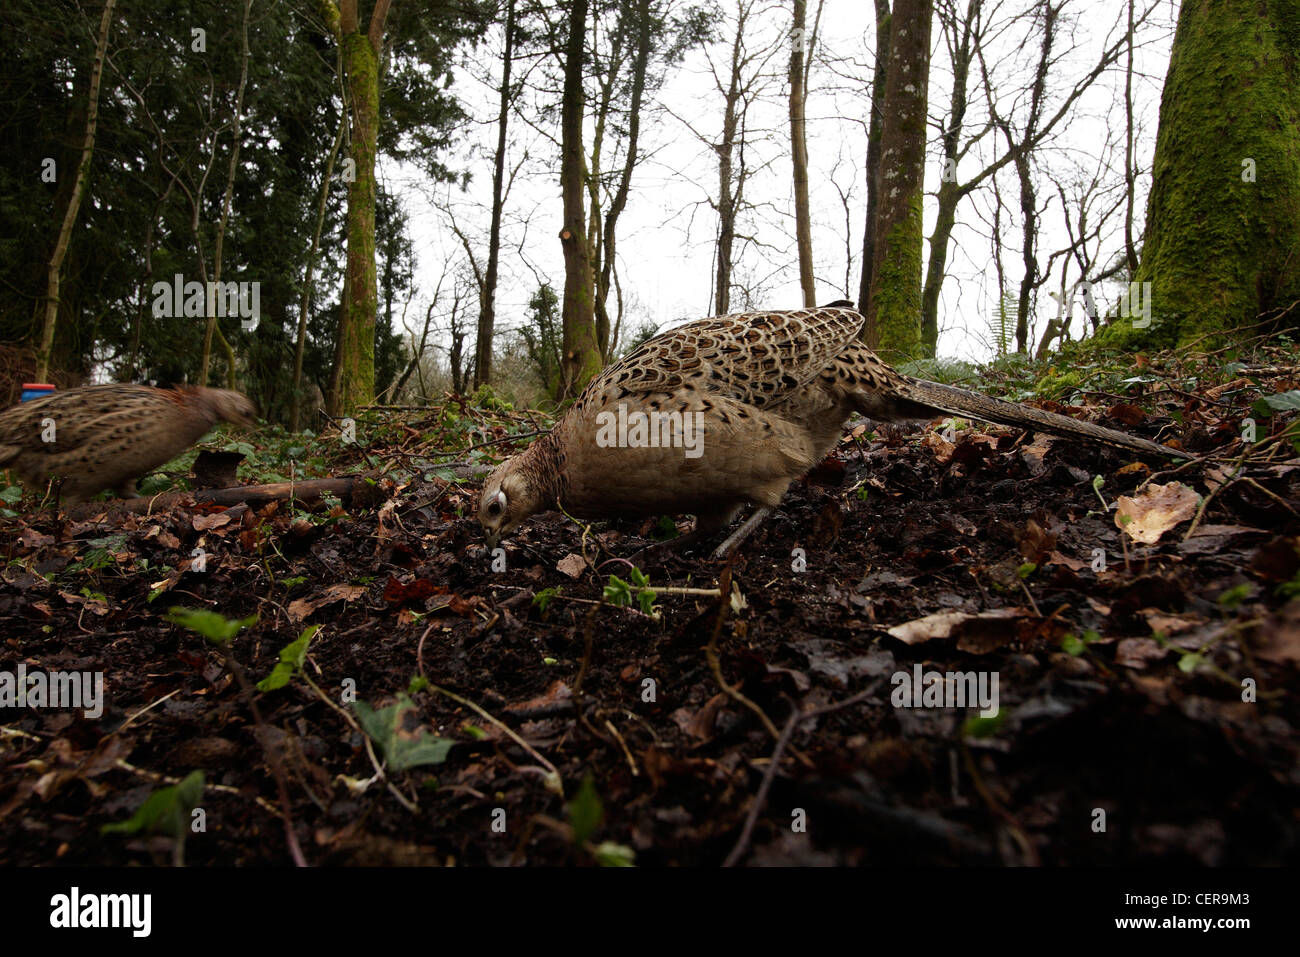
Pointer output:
1020, 155
54, 271
1028, 242
800, 44
639, 63
894, 304
137, 327
456, 354
581, 353
950, 191
304, 307
487, 301
883, 19
726, 152
235, 144
1130, 173
744, 77
418, 352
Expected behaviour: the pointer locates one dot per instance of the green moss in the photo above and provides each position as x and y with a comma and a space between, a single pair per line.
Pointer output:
1221, 250
896, 288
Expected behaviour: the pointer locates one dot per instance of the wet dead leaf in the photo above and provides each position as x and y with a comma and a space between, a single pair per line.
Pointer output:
1136, 652
300, 609
572, 565
942, 624
1158, 509
203, 522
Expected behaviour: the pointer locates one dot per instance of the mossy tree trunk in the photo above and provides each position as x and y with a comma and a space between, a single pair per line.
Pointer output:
893, 324
1222, 244
355, 353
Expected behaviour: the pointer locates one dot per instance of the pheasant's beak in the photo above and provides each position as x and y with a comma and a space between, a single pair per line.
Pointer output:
491, 537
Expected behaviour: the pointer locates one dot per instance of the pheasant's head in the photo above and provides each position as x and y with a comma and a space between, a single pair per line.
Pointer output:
509, 497
232, 407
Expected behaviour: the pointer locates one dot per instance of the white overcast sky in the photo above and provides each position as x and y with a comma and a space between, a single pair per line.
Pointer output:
666, 234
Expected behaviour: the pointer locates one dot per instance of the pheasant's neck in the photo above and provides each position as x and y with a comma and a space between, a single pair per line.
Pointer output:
543, 463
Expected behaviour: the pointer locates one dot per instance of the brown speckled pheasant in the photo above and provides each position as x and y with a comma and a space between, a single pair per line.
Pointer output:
107, 436
772, 391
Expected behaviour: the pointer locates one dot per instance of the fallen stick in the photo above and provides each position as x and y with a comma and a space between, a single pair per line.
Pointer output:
309, 490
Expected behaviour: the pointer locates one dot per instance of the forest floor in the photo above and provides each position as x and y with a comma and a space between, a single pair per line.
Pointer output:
584, 706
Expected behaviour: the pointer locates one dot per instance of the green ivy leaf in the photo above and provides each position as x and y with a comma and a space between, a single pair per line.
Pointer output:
1281, 402
218, 629
166, 810
291, 658
402, 749
585, 811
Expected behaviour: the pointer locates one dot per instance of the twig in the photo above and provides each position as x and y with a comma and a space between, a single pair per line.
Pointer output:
715, 664
796, 718
554, 780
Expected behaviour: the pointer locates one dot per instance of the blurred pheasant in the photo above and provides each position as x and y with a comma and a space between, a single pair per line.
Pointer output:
772, 389
107, 436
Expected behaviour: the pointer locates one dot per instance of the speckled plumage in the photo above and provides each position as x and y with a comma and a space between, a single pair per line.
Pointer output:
774, 390
107, 436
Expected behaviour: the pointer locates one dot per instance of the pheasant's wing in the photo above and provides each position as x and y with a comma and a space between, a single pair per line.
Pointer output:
757, 358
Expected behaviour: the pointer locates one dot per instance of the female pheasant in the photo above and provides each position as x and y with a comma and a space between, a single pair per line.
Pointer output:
107, 436
727, 411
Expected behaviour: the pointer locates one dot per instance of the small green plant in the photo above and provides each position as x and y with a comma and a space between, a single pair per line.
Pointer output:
620, 593
981, 727
1072, 644
586, 813
417, 684
11, 495
665, 529
402, 749
292, 657
1281, 402
1231, 599
215, 627
1097, 482
544, 598
99, 555
165, 811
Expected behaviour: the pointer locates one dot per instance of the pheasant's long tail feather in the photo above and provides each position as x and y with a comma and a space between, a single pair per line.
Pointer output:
954, 401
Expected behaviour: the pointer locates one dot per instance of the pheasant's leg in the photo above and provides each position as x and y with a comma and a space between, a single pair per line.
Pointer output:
706, 527
728, 547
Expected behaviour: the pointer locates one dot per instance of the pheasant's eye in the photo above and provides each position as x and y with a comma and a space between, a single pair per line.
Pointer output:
494, 508
498, 503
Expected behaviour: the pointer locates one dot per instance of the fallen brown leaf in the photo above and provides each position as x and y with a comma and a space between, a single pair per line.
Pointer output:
1155, 511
